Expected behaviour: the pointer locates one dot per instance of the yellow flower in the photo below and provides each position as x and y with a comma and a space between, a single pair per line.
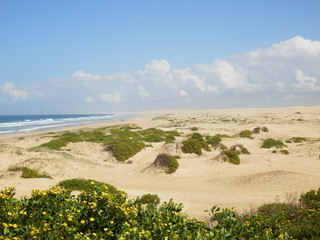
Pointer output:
82, 221
91, 219
44, 213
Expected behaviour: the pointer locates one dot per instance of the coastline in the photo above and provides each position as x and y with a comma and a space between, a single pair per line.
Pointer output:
200, 182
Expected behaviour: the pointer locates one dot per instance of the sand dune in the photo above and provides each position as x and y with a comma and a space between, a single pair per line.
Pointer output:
200, 181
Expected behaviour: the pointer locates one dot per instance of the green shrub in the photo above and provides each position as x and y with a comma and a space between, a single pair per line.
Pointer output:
194, 129
265, 129
231, 157
298, 139
311, 199
214, 141
246, 134
284, 151
245, 151
173, 164
191, 146
270, 142
29, 172
150, 199
123, 150
80, 184
271, 209
55, 144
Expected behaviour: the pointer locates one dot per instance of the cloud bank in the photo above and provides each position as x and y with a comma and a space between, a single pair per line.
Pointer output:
285, 73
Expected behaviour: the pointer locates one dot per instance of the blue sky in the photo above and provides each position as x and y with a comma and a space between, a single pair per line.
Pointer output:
80, 56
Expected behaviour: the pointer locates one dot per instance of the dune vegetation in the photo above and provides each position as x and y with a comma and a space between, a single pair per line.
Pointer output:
101, 211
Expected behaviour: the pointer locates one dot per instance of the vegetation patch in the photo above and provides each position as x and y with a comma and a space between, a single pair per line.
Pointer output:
101, 214
298, 139
270, 142
29, 172
231, 156
150, 199
123, 141
197, 142
284, 151
166, 163
240, 149
194, 129
245, 134
311, 199
87, 185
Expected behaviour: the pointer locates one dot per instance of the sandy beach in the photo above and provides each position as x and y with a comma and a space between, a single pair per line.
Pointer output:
200, 182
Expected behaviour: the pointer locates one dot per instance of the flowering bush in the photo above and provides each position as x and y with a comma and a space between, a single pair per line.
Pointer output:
103, 214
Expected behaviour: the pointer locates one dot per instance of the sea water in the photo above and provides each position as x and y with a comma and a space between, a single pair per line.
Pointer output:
11, 124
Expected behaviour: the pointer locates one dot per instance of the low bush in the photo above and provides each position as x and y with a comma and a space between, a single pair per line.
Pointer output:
284, 151
150, 199
30, 173
194, 129
196, 142
191, 146
311, 199
270, 142
264, 129
214, 141
80, 184
298, 139
123, 150
167, 162
245, 134
231, 157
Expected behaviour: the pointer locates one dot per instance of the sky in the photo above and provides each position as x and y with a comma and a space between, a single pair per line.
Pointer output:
100, 56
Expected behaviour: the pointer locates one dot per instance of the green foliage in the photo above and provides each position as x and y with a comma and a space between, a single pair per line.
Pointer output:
191, 146
150, 199
124, 141
272, 209
231, 157
98, 214
246, 134
284, 151
55, 144
101, 214
245, 151
264, 129
123, 150
299, 139
214, 140
270, 142
195, 143
29, 172
311, 199
194, 129
173, 163
80, 184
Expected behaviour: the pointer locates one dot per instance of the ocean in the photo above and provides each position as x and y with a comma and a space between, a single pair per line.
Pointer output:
11, 124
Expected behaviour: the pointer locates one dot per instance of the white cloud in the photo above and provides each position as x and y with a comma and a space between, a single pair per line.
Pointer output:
305, 82
11, 90
158, 66
227, 74
142, 92
183, 93
89, 100
111, 97
87, 76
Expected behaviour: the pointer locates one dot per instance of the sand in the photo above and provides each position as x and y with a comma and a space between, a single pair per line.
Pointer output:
200, 182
